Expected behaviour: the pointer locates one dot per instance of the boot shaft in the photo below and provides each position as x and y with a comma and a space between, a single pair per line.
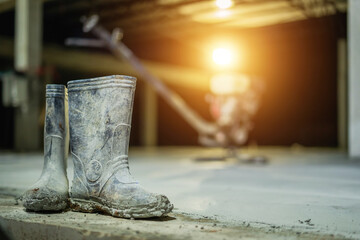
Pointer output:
50, 191
55, 123
100, 111
55, 128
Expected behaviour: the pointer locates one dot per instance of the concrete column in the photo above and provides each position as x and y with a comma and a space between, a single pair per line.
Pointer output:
342, 94
28, 41
148, 125
28, 35
354, 77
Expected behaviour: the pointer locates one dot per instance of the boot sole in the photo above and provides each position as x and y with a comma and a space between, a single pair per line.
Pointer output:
45, 204
91, 206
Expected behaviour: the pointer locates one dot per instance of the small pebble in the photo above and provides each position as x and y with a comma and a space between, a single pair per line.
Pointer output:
214, 225
196, 226
202, 228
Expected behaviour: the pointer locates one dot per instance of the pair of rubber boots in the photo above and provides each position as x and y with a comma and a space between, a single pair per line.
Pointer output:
100, 111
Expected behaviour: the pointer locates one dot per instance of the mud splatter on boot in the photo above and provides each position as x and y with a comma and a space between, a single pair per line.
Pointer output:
50, 192
100, 111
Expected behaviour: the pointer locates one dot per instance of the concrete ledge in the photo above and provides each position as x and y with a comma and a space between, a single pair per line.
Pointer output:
16, 223
244, 201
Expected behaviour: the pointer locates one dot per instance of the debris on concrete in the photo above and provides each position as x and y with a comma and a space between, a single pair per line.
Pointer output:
20, 224
295, 186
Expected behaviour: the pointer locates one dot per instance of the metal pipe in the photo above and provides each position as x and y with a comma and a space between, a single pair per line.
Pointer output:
120, 50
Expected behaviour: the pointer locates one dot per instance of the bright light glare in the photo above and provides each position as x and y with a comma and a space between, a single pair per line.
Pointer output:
222, 56
223, 4
229, 83
222, 13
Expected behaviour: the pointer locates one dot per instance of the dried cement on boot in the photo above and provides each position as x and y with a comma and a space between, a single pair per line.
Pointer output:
45, 200
100, 113
50, 192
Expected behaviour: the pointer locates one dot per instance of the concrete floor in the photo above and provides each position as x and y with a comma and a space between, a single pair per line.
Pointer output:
298, 184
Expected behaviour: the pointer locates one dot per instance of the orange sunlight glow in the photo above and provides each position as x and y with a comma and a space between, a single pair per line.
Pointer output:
222, 14
229, 83
223, 4
223, 56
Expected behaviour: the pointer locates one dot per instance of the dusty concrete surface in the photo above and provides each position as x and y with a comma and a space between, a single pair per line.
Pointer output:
18, 224
213, 200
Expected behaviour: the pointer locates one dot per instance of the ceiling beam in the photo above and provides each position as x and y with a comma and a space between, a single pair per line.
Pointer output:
102, 63
6, 5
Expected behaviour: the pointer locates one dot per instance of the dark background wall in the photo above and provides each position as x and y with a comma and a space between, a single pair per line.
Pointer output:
297, 62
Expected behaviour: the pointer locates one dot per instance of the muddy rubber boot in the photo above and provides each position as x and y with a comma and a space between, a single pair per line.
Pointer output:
100, 111
50, 192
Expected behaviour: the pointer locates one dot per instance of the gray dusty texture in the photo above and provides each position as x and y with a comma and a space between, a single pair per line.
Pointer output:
273, 201
18, 224
100, 111
50, 192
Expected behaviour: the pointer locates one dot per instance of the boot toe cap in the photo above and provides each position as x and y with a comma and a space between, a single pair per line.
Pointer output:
134, 201
44, 199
